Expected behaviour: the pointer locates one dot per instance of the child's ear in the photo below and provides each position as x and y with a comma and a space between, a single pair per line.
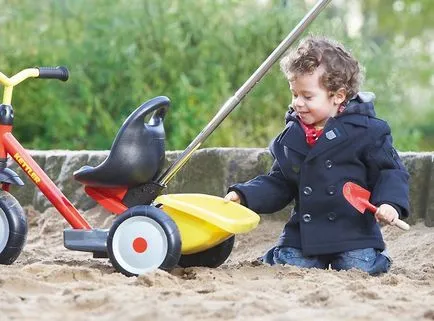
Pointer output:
340, 96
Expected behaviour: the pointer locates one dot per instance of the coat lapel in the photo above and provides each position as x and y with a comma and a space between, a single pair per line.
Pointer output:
295, 139
333, 135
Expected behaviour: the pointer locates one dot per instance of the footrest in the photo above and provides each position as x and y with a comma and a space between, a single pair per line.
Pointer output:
94, 240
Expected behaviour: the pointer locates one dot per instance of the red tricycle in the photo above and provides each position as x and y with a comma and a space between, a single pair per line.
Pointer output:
151, 230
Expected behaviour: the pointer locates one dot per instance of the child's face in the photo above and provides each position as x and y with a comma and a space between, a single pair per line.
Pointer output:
313, 103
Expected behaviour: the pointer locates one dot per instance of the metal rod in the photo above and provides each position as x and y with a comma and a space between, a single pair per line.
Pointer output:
232, 102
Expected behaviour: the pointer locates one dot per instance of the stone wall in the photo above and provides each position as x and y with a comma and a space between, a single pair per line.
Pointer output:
209, 171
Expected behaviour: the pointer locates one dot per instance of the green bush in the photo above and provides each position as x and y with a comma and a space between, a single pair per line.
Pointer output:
122, 53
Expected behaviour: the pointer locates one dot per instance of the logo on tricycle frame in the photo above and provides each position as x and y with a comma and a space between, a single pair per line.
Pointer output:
27, 168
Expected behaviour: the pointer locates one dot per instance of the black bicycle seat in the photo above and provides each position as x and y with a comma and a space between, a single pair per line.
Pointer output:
138, 151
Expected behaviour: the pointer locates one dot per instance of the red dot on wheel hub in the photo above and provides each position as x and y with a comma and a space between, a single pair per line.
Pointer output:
140, 245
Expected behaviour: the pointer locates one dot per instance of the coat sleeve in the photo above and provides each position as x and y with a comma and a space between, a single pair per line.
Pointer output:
387, 176
266, 193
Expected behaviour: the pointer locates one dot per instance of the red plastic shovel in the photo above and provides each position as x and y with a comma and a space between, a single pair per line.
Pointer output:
359, 198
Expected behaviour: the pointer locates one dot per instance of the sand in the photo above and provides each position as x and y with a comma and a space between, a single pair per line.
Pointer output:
49, 282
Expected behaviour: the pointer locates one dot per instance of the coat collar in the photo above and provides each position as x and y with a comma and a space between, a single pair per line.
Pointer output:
294, 137
354, 119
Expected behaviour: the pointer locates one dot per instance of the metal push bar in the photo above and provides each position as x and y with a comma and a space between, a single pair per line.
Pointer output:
232, 102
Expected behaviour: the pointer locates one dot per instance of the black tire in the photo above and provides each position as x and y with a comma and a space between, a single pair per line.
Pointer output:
13, 228
166, 242
212, 257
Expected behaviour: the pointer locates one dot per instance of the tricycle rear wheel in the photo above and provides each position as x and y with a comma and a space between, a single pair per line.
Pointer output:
212, 257
13, 228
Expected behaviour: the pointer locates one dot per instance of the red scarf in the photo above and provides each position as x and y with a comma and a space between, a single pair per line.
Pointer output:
312, 134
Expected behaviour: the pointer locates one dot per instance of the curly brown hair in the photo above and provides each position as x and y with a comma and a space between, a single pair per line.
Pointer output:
341, 69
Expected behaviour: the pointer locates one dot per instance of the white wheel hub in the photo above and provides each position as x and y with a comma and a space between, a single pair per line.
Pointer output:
139, 244
4, 230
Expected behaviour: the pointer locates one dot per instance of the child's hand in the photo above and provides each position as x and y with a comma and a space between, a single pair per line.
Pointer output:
386, 213
232, 196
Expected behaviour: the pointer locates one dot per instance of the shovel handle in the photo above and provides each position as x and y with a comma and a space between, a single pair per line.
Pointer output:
401, 224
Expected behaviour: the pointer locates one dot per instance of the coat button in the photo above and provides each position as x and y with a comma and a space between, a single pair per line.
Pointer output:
331, 190
307, 190
307, 218
328, 163
331, 216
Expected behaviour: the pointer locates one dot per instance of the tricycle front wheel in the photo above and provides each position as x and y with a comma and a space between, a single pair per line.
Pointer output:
13, 228
212, 257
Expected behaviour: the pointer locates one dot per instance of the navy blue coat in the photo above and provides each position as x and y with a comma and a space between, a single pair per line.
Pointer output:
355, 146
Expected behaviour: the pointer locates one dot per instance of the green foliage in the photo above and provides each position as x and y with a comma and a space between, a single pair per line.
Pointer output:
122, 53
403, 39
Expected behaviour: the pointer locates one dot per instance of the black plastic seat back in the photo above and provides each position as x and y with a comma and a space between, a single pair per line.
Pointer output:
138, 151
